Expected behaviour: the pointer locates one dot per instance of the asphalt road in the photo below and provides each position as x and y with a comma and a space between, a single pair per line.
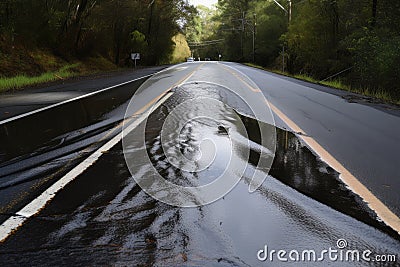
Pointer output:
22, 101
363, 136
208, 120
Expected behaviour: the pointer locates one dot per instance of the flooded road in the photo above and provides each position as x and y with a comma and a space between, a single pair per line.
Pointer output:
105, 217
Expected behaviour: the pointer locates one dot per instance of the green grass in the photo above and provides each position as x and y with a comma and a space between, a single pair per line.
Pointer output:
336, 84
380, 94
304, 78
20, 81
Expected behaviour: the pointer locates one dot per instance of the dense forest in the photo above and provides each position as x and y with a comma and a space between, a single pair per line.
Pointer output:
358, 39
81, 28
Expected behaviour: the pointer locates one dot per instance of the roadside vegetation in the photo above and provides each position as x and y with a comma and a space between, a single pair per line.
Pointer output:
356, 43
337, 84
181, 49
42, 40
22, 67
23, 80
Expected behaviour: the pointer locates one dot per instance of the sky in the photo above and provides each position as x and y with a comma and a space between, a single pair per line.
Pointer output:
208, 3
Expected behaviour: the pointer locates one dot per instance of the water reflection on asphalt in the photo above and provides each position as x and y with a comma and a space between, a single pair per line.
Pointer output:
107, 219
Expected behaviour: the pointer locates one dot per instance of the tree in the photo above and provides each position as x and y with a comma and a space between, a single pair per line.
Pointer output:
77, 28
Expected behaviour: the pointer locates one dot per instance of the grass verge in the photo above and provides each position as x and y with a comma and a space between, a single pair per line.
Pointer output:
337, 84
20, 81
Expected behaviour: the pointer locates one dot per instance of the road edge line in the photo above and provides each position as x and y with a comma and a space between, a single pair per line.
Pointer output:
78, 97
14, 222
375, 204
8, 227
382, 211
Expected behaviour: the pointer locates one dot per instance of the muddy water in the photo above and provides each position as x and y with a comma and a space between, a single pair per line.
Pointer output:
105, 218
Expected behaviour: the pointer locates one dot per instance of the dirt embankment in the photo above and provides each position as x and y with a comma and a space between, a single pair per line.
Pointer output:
18, 60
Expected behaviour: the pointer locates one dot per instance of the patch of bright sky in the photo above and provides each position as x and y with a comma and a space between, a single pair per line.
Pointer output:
207, 3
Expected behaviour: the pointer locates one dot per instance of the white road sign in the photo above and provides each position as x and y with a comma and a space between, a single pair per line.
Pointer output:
135, 56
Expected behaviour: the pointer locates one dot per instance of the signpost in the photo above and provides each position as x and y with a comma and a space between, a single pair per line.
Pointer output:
135, 56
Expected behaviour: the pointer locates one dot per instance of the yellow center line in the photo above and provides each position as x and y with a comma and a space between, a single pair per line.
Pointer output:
111, 132
255, 90
154, 100
383, 212
12, 224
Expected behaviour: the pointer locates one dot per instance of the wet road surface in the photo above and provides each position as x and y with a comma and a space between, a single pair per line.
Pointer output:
19, 102
361, 133
104, 217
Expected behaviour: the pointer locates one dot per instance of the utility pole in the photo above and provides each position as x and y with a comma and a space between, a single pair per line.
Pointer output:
289, 14
290, 20
247, 24
283, 58
254, 37
242, 34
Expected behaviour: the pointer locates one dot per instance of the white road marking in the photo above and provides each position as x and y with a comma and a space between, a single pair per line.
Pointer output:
70, 100
14, 222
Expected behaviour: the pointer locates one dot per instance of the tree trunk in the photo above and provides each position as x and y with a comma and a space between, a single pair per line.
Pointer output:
150, 18
374, 9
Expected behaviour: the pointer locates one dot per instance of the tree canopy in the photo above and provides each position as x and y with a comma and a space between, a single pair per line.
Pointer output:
320, 37
113, 28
